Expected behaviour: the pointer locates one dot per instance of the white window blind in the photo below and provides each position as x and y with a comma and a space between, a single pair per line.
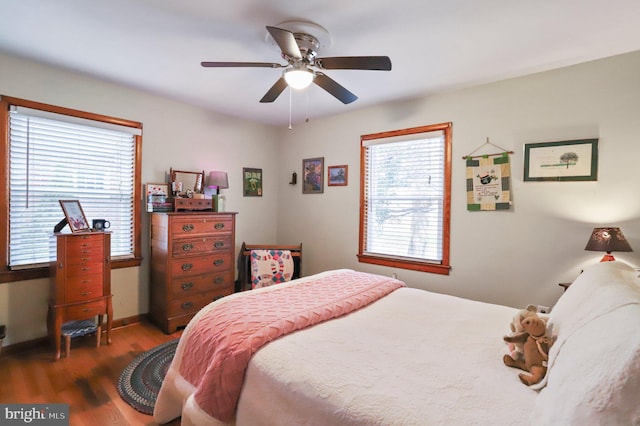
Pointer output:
63, 158
404, 197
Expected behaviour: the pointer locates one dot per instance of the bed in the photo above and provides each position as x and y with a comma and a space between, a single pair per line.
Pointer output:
407, 357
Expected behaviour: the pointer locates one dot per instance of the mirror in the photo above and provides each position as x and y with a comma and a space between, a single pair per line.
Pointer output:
182, 182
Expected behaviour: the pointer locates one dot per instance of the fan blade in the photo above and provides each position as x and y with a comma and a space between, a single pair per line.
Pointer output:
241, 64
286, 41
379, 63
345, 96
275, 91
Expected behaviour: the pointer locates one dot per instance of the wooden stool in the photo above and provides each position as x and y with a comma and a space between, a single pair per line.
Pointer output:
79, 328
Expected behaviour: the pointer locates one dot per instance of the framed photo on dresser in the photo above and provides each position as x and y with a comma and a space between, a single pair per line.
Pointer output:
75, 215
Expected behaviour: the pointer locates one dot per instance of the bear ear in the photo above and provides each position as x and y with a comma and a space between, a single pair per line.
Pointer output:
532, 308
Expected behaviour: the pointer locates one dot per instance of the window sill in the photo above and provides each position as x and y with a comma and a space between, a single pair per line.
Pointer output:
405, 264
36, 273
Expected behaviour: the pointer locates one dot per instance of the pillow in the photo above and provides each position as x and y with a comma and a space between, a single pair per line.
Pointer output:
270, 267
595, 378
593, 375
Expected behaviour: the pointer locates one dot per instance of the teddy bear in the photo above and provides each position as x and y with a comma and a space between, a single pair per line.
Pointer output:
535, 349
516, 348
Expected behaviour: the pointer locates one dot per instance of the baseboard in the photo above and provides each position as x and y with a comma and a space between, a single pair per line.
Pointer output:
41, 342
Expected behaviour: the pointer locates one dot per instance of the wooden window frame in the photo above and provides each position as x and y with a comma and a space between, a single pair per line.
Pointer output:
443, 267
8, 275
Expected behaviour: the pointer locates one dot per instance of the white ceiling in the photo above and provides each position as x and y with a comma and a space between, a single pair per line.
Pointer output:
434, 45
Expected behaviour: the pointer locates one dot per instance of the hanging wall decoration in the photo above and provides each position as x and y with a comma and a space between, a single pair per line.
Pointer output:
251, 182
488, 180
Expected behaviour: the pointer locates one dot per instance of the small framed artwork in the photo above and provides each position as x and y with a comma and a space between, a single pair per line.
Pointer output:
75, 216
313, 175
575, 160
252, 182
157, 190
337, 175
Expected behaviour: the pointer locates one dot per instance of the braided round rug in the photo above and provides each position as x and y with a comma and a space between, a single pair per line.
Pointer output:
140, 381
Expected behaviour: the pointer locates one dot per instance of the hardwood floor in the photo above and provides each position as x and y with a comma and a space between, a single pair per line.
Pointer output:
86, 380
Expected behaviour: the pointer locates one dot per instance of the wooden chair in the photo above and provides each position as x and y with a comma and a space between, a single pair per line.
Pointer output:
244, 262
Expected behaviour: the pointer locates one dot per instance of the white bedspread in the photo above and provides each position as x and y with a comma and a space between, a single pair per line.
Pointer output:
420, 358
411, 358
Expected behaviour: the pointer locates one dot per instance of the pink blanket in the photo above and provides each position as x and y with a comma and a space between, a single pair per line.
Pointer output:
220, 344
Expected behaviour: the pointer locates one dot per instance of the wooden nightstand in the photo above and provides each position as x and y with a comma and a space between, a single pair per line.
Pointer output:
565, 286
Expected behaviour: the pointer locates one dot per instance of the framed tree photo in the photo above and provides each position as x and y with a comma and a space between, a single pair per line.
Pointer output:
251, 182
75, 216
313, 175
575, 160
338, 175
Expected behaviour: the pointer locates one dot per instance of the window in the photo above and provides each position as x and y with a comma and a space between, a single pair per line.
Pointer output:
53, 153
405, 198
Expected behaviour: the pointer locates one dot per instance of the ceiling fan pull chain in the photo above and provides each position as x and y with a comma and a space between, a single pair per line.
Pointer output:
290, 90
306, 120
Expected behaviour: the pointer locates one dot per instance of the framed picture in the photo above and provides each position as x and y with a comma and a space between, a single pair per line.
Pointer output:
338, 175
575, 160
74, 215
157, 190
313, 175
252, 182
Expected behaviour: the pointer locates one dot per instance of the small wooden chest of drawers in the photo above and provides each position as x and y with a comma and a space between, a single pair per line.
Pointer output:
192, 264
80, 282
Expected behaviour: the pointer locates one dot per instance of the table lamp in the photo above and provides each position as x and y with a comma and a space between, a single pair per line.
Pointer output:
218, 180
608, 240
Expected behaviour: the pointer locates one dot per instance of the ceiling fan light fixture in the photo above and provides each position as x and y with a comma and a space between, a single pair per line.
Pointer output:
298, 78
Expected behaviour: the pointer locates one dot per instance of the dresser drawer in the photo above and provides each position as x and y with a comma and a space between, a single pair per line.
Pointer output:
85, 242
85, 310
201, 265
185, 286
84, 288
192, 304
80, 269
202, 245
192, 204
199, 225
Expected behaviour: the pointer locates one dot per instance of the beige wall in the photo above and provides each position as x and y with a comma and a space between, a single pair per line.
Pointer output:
510, 257
513, 257
174, 135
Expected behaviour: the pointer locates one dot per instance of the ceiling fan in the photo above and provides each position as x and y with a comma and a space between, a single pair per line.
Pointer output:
303, 67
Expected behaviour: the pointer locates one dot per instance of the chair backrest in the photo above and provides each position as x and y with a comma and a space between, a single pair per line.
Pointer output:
244, 261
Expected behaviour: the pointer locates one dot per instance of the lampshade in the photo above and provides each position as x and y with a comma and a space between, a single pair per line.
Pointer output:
298, 78
219, 180
607, 239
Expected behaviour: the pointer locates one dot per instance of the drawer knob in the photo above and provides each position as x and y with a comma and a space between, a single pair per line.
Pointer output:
187, 286
187, 305
218, 244
187, 266
219, 226
218, 262
187, 247
187, 227
86, 293
218, 280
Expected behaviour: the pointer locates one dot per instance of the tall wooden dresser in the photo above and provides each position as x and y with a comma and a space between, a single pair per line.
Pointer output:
192, 264
80, 286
